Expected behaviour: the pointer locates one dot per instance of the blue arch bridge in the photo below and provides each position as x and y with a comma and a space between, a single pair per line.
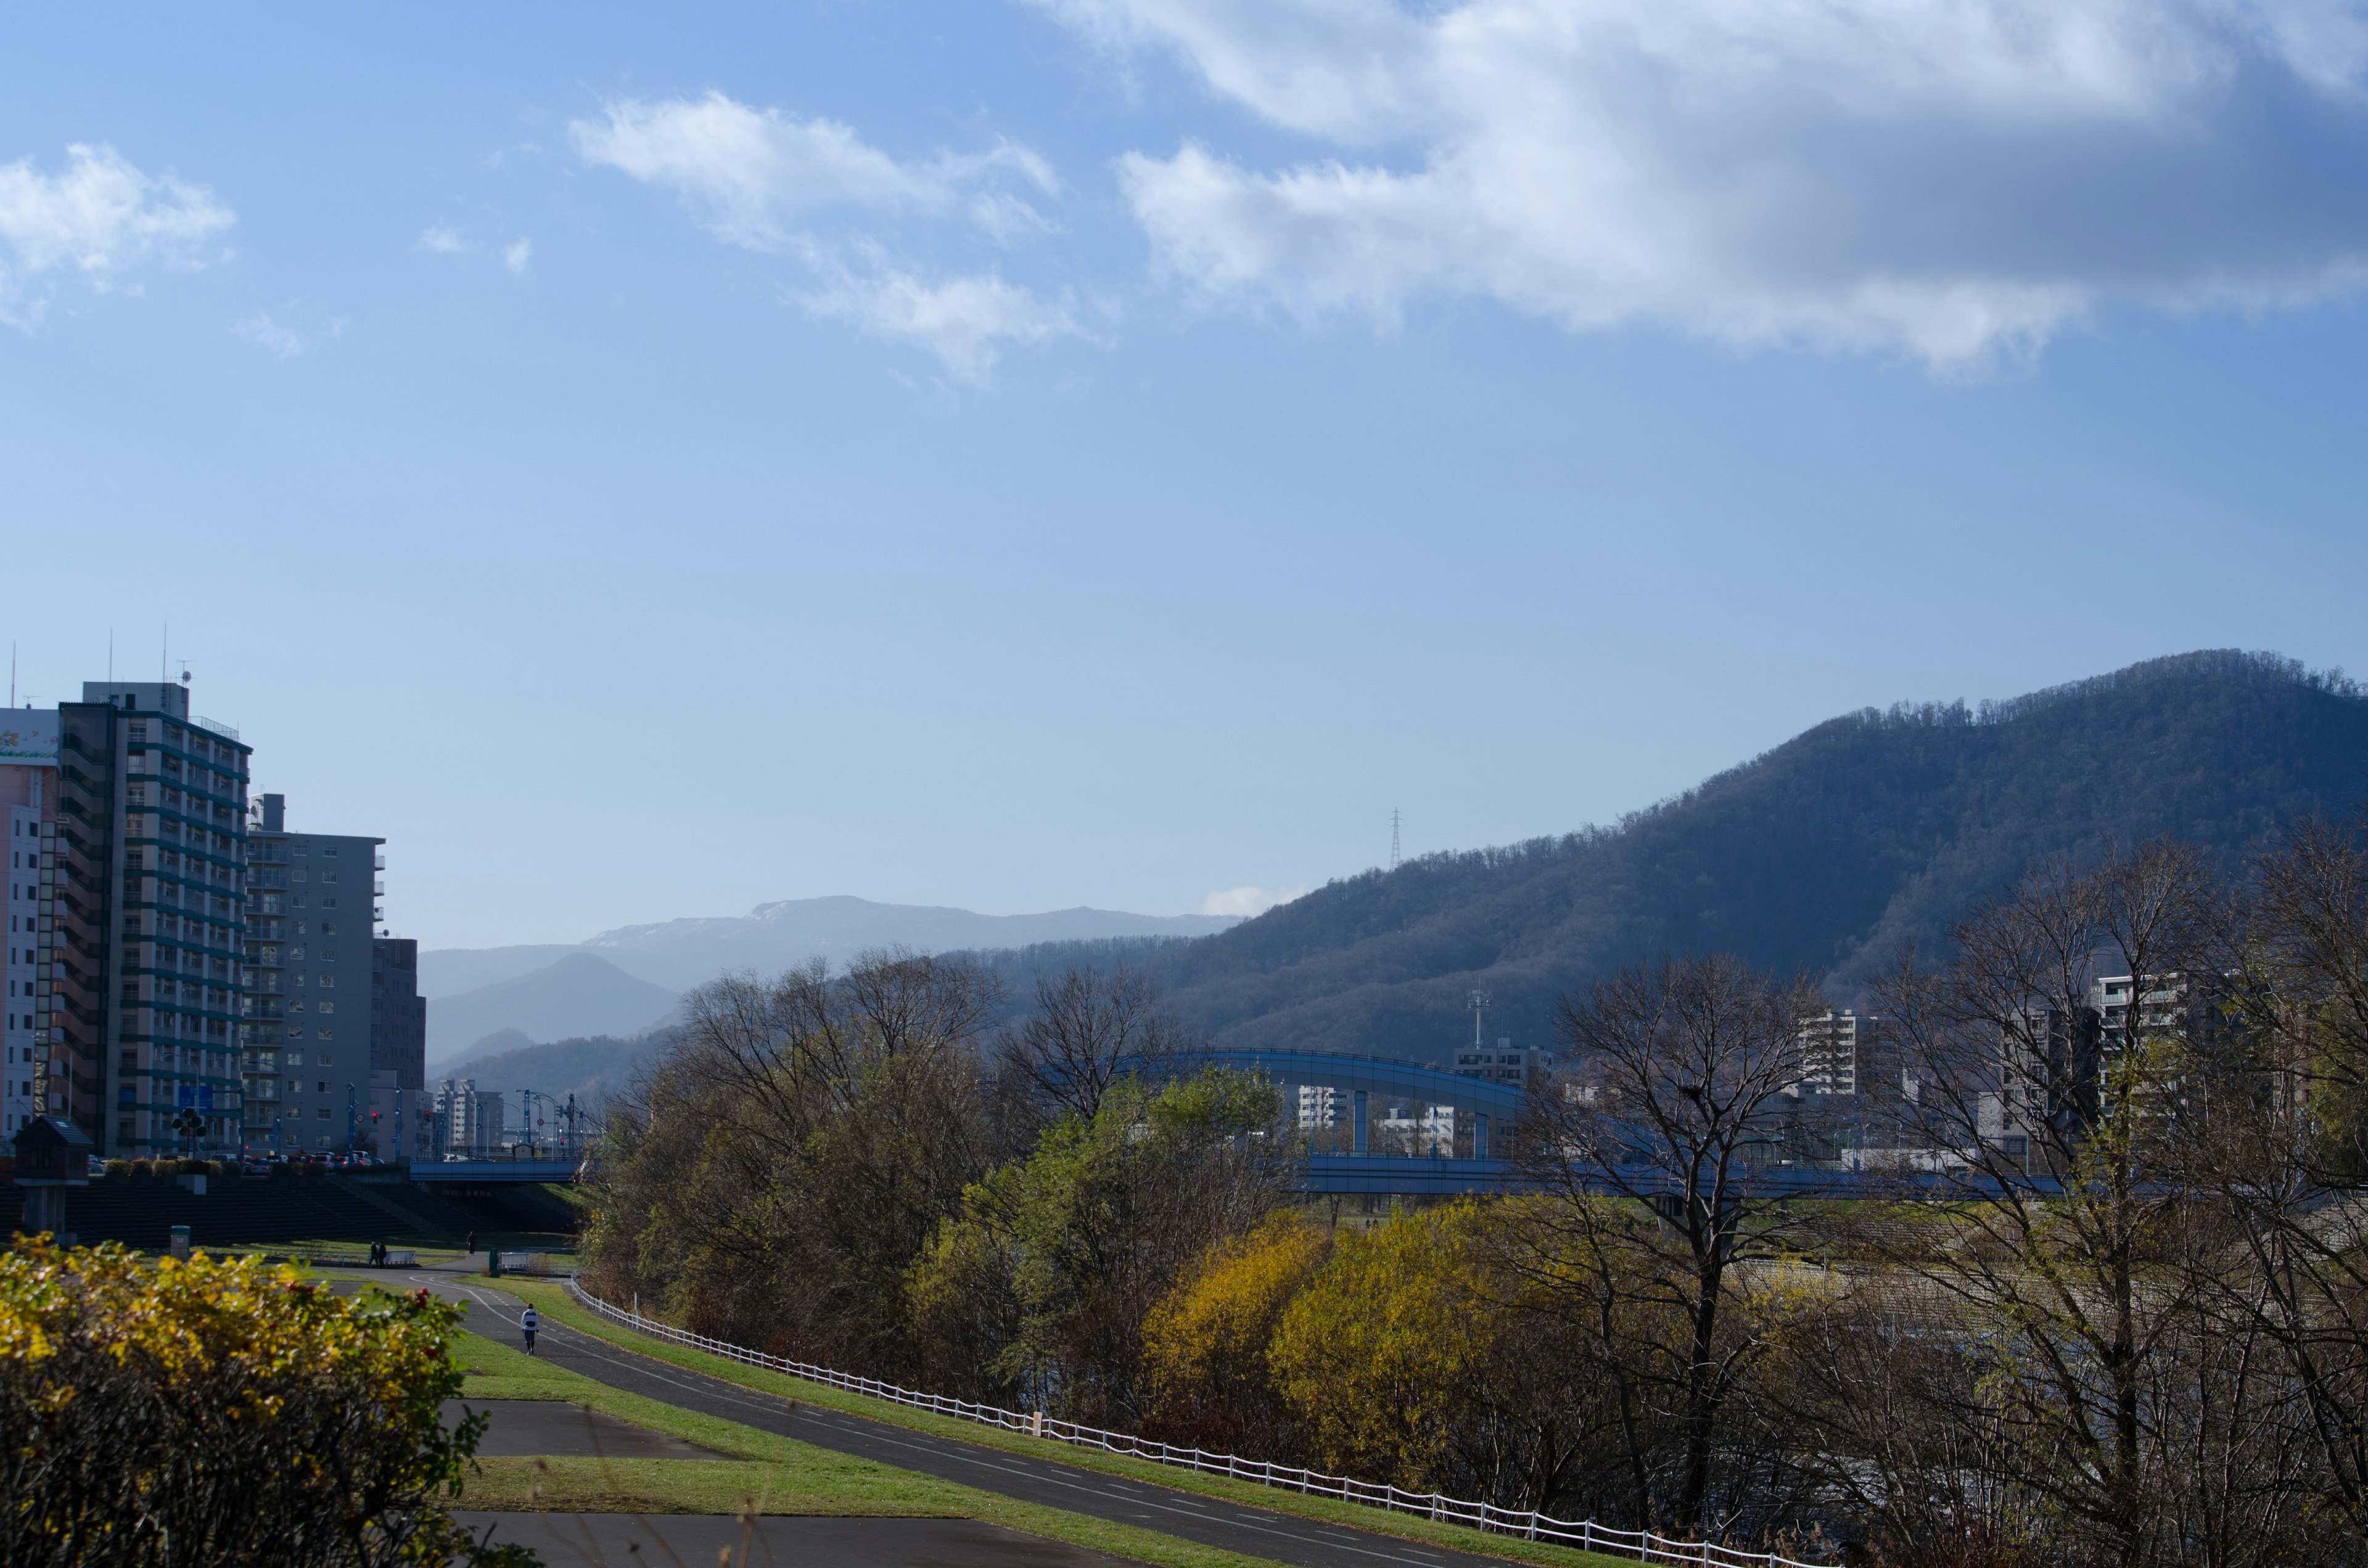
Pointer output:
1471, 1161
1485, 1114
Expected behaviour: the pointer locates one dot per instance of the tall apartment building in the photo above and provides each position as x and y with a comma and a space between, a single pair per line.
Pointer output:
402, 1113
28, 788
144, 920
310, 962
471, 1120
1833, 1050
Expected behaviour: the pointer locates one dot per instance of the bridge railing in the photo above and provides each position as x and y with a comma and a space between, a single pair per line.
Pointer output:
1644, 1545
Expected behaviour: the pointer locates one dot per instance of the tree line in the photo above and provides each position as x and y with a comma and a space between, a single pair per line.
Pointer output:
2100, 1296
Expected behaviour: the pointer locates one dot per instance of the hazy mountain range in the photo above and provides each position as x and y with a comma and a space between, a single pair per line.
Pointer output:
622, 981
1825, 854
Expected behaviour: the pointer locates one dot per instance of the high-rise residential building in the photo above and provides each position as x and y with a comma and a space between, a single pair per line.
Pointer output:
1319, 1108
142, 920
401, 1110
310, 962
28, 788
471, 1120
1833, 1050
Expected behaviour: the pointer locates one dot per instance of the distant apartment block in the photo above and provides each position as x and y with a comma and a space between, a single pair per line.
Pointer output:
313, 969
1503, 1063
1319, 1108
1833, 1048
402, 1113
28, 786
468, 1121
1425, 1130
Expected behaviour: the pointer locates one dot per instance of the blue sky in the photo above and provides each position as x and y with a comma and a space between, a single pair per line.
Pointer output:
1115, 451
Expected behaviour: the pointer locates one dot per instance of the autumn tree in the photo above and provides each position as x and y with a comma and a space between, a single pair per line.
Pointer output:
1205, 1343
1067, 1250
223, 1413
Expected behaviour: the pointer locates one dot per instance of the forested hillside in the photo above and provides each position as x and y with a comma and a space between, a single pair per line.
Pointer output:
1825, 854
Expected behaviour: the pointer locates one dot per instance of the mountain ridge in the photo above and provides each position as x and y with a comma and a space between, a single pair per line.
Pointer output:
1822, 853
680, 953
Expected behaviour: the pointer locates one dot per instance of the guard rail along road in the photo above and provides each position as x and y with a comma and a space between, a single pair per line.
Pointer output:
1644, 1545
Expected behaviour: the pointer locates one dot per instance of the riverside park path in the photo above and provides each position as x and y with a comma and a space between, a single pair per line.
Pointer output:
1212, 1521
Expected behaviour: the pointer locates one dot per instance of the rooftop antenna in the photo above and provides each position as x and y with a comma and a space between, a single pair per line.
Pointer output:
12, 675
1479, 1009
1393, 838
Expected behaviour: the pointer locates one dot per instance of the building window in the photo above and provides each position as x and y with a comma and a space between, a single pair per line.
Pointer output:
328, 1034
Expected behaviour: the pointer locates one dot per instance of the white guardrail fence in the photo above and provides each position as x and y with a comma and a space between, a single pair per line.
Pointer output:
1644, 1545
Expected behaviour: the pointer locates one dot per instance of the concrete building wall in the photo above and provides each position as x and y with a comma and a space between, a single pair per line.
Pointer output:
310, 962
145, 919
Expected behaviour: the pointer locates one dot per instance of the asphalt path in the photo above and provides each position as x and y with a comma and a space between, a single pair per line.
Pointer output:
1212, 1521
694, 1540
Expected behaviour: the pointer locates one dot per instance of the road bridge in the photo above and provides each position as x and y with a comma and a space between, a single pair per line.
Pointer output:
1489, 1108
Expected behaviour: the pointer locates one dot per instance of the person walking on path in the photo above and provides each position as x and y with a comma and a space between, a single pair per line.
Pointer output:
473, 1244
528, 1321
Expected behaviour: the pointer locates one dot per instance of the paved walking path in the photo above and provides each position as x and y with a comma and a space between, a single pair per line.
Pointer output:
1208, 1520
612, 1539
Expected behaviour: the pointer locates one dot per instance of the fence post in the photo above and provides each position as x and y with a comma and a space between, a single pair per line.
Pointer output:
1036, 1425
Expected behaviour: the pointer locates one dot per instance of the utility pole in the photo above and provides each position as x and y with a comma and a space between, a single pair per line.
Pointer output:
1393, 838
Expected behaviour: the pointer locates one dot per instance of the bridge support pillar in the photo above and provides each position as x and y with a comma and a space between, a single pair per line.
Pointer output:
1358, 1126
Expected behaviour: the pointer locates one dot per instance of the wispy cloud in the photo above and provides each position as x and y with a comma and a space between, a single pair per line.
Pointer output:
754, 175
965, 321
814, 190
442, 241
281, 342
1950, 178
99, 218
517, 255
1249, 901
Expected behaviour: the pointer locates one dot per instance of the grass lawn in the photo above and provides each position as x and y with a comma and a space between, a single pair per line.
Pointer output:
554, 1301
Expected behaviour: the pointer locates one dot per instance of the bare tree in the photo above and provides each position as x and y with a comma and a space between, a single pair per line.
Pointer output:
2284, 1152
1656, 1142
2051, 1059
790, 1154
1088, 1030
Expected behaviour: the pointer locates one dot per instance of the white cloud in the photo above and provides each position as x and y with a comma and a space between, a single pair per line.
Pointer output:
1248, 901
766, 180
1948, 178
965, 322
442, 241
266, 333
100, 219
752, 175
517, 255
